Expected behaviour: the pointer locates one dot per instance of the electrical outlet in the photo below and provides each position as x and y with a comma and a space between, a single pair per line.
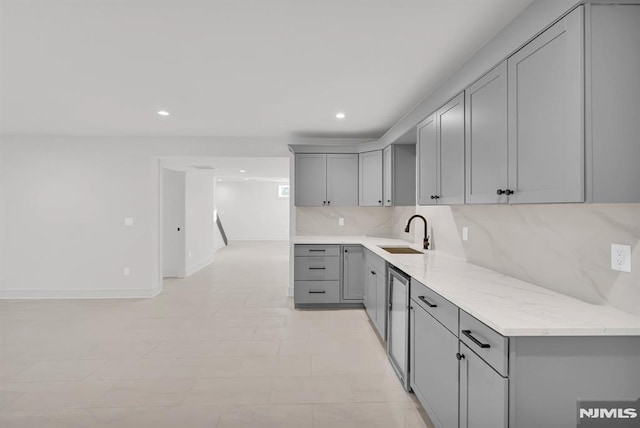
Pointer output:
465, 233
128, 221
621, 257
341, 221
126, 272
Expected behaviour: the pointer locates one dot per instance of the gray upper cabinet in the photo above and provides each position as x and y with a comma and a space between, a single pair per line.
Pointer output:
326, 180
342, 180
311, 180
387, 176
353, 277
546, 138
399, 175
427, 161
441, 155
487, 138
451, 152
613, 149
371, 179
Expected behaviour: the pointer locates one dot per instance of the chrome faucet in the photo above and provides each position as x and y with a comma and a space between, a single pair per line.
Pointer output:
426, 238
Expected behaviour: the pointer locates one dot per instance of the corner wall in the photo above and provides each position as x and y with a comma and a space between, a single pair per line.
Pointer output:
67, 198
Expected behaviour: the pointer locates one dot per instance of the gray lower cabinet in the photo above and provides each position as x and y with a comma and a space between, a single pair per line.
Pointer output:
316, 274
613, 151
375, 299
353, 273
329, 275
546, 115
434, 367
370, 183
483, 393
441, 155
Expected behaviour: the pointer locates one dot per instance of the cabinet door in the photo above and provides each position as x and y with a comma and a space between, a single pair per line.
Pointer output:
311, 180
381, 303
450, 168
546, 142
613, 172
370, 295
387, 176
427, 161
342, 180
483, 393
434, 367
371, 179
487, 137
353, 277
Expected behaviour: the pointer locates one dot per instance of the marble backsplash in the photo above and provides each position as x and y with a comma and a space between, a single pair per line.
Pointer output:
358, 221
564, 247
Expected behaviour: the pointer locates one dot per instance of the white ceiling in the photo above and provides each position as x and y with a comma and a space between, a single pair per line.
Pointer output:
230, 67
228, 168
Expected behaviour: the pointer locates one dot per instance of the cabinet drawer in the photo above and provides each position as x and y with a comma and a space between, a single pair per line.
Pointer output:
317, 250
436, 305
488, 344
316, 268
316, 292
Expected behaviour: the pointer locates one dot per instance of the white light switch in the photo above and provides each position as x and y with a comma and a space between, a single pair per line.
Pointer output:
341, 221
126, 272
621, 257
128, 221
465, 233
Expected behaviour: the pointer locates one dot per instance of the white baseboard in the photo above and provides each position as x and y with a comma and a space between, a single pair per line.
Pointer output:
195, 268
136, 293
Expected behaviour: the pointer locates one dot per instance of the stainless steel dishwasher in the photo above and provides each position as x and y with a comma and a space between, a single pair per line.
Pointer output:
398, 324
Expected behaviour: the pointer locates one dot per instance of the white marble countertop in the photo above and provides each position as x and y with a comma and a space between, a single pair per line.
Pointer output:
510, 306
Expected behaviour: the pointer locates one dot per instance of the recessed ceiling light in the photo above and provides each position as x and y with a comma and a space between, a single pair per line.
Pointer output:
163, 113
242, 170
340, 116
246, 179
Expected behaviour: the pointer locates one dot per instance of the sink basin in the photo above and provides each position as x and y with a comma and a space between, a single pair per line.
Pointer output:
401, 250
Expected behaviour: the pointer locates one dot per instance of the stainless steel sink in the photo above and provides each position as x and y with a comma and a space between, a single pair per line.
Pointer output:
401, 250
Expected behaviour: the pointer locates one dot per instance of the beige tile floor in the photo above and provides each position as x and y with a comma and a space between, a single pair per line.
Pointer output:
223, 348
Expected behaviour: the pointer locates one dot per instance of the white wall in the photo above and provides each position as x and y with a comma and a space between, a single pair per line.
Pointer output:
67, 198
252, 210
173, 223
199, 225
3, 223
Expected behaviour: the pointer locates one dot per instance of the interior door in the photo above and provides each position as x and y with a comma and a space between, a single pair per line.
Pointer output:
173, 220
